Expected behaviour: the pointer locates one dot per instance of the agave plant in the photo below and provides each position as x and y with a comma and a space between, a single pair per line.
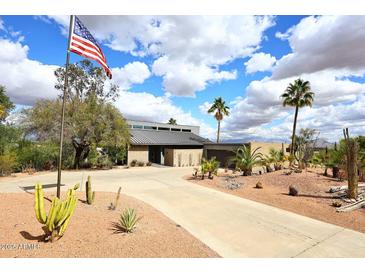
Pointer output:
245, 160
128, 220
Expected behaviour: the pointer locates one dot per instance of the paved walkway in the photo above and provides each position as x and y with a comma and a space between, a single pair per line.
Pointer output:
232, 226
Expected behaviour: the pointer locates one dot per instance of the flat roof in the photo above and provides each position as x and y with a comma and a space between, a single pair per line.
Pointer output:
155, 137
158, 123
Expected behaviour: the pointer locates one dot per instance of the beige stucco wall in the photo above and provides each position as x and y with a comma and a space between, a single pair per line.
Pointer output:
183, 157
264, 149
139, 153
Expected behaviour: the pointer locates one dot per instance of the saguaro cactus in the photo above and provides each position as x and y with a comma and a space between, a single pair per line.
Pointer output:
351, 162
59, 214
90, 195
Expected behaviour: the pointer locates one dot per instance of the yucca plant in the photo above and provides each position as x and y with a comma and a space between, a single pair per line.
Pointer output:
128, 220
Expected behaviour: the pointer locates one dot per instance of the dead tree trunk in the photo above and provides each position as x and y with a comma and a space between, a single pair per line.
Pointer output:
351, 163
81, 151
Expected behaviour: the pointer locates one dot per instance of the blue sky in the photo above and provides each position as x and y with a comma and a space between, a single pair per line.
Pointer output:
176, 67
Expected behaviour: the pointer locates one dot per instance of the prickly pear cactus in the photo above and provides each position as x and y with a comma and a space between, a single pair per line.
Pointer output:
90, 195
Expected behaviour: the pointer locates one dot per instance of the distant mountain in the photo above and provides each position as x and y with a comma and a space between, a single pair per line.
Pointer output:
323, 143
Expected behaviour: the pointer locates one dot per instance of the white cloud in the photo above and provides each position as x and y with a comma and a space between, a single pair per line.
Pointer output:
28, 80
188, 49
262, 105
324, 42
205, 107
132, 73
185, 79
260, 62
25, 80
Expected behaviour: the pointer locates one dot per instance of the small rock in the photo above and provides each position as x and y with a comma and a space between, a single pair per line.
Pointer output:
336, 204
233, 185
259, 185
293, 190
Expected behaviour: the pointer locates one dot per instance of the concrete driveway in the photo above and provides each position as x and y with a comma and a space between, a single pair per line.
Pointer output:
230, 225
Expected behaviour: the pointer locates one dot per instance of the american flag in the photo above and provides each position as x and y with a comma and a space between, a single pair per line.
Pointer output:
84, 44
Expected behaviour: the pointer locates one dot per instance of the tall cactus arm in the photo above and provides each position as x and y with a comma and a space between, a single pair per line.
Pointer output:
67, 220
52, 214
40, 212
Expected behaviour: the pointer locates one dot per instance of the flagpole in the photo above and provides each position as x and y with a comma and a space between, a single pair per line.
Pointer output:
63, 107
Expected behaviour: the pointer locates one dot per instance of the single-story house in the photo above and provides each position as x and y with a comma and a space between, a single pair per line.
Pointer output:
165, 144
181, 145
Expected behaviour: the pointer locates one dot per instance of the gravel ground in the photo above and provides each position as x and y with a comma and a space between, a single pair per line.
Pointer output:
91, 233
313, 201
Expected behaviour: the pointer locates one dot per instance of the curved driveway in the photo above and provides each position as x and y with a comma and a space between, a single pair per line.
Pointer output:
230, 225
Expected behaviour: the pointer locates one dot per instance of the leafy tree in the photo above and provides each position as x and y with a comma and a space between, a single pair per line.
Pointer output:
305, 144
90, 118
245, 160
220, 109
172, 121
10, 135
5, 104
298, 95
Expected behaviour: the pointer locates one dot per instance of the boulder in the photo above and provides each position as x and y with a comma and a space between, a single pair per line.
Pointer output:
293, 190
259, 185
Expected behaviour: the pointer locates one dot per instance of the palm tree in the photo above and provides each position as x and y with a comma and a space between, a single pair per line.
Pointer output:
172, 121
220, 109
297, 94
246, 160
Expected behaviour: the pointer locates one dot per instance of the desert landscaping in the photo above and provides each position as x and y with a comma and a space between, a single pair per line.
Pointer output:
94, 231
313, 200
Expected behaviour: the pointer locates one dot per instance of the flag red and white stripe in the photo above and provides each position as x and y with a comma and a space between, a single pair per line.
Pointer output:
84, 44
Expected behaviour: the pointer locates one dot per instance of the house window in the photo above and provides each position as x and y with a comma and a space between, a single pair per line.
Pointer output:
175, 129
186, 130
163, 128
137, 126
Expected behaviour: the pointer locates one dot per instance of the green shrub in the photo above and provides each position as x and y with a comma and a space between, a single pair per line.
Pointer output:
104, 162
95, 159
128, 220
7, 164
140, 163
39, 156
117, 155
211, 166
148, 164
68, 156
133, 163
